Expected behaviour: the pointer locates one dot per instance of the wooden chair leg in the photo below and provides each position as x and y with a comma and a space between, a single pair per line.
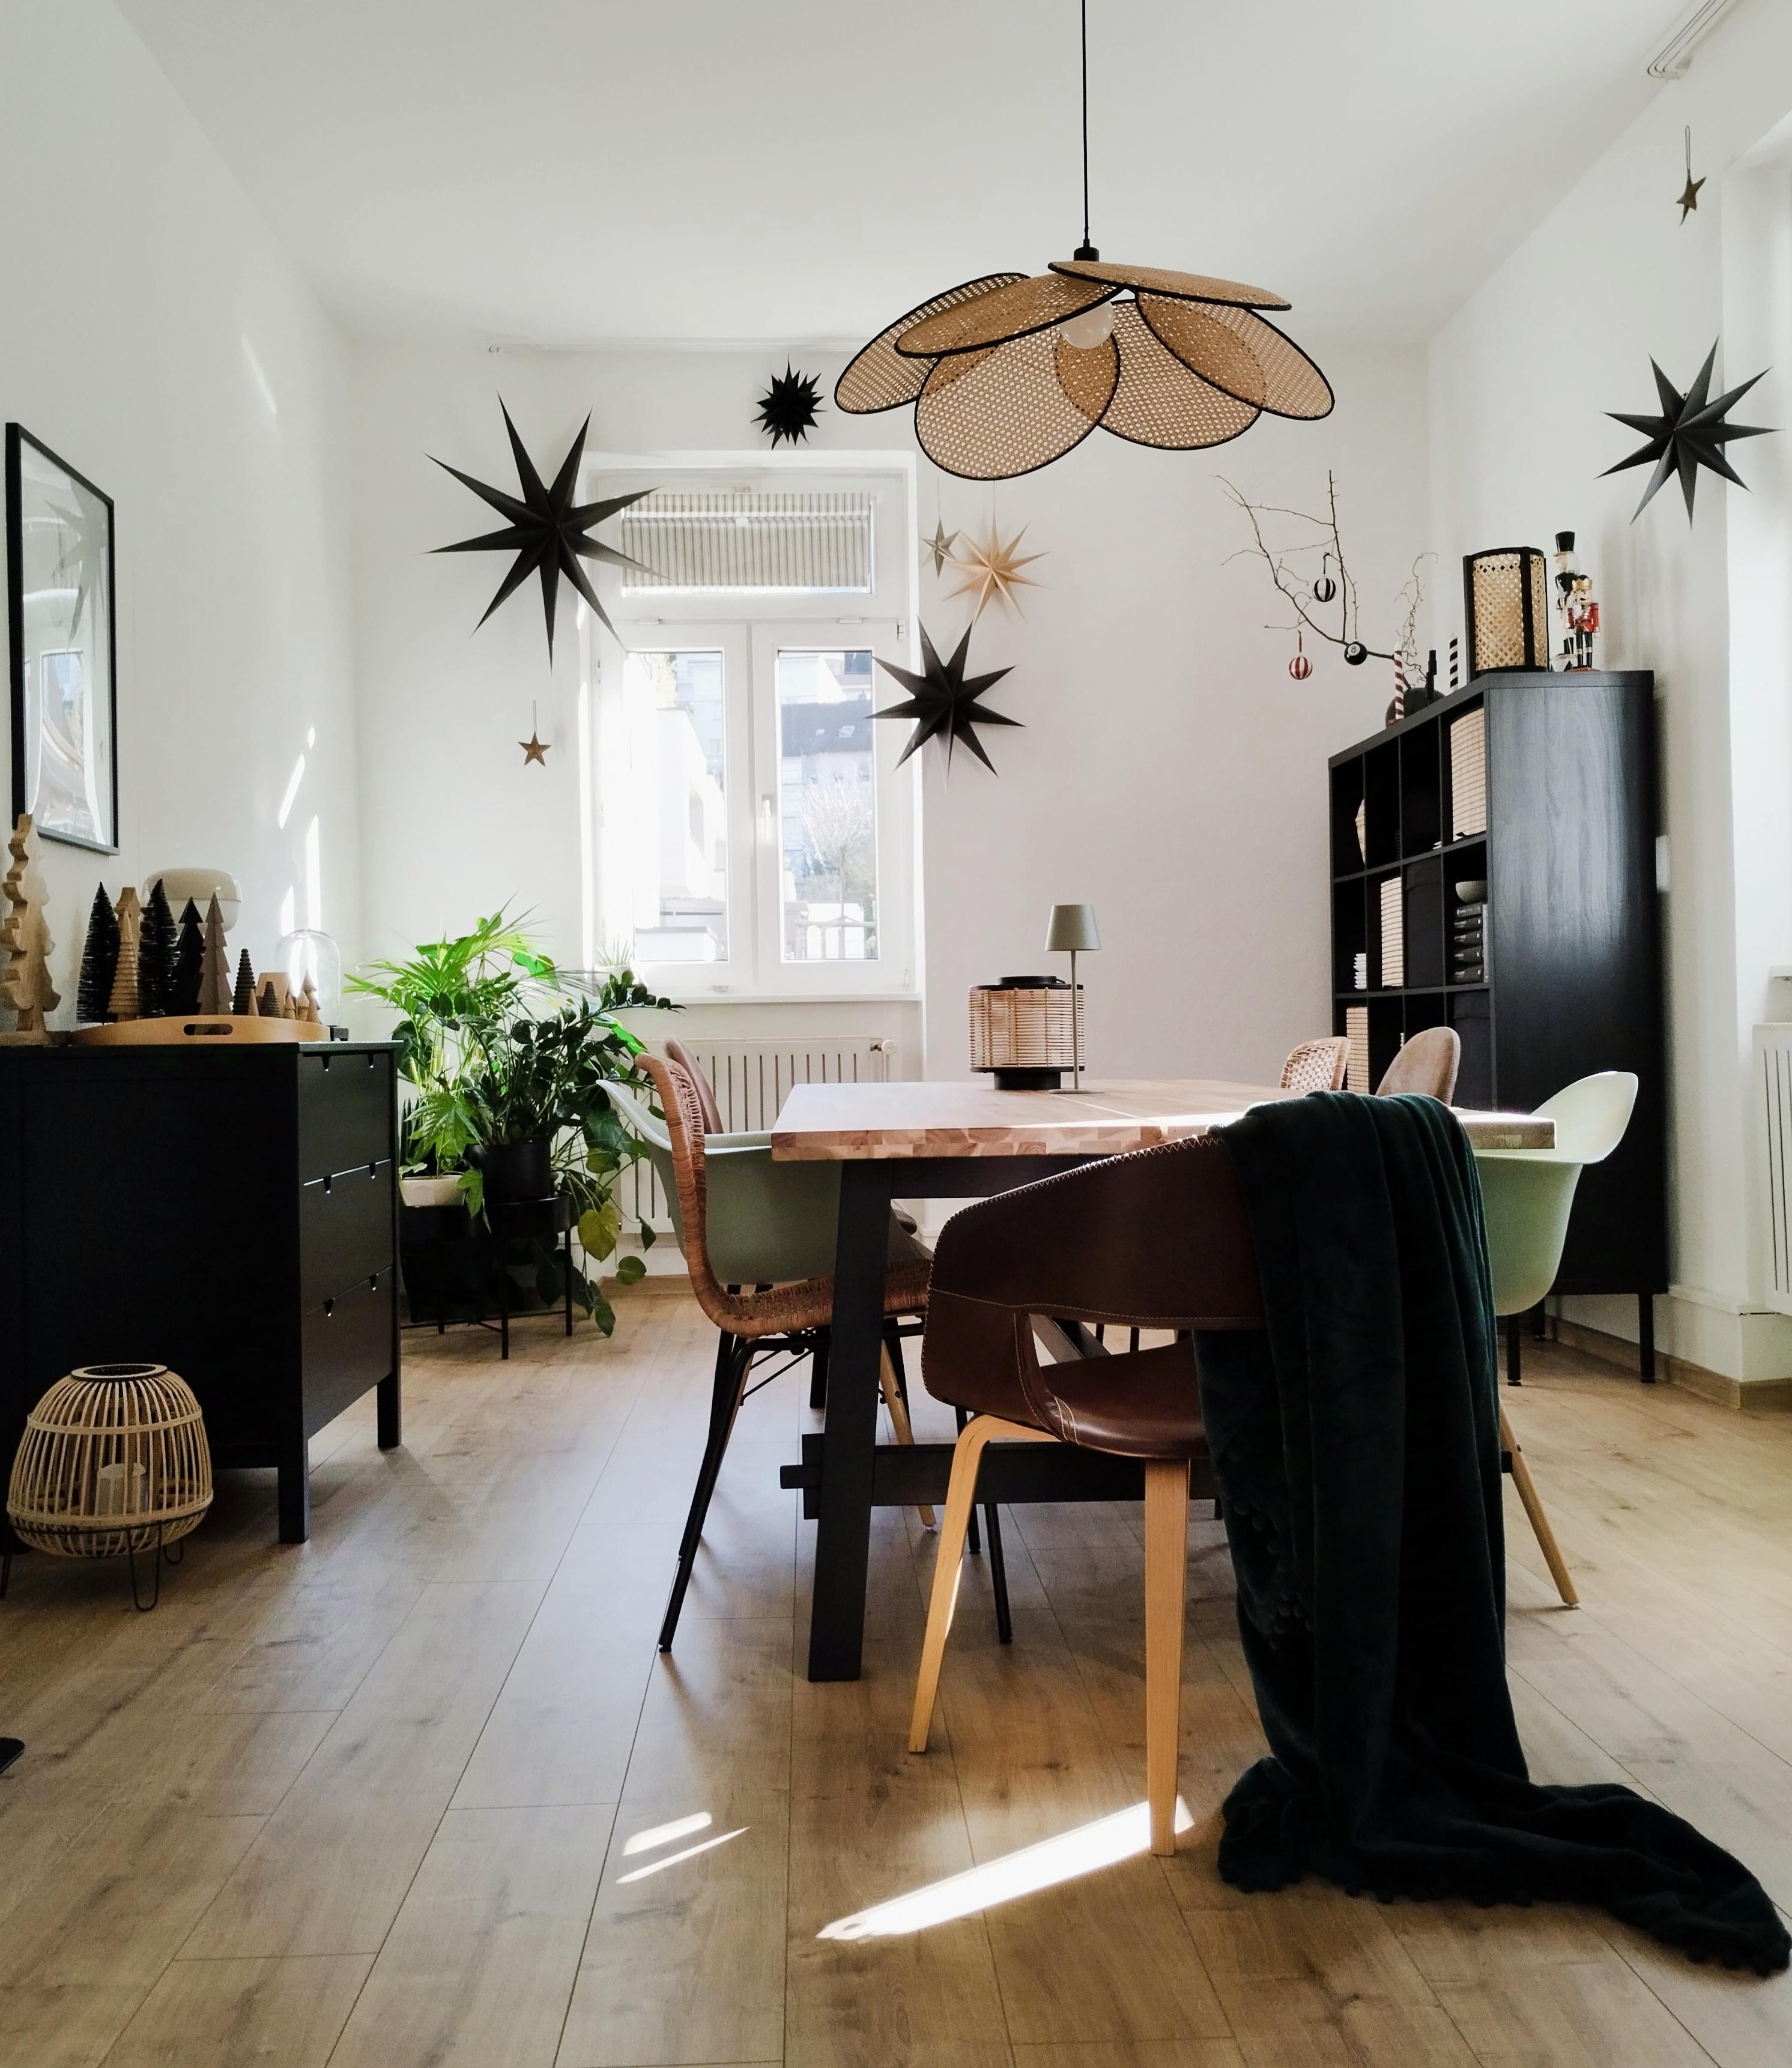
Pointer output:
1166, 1584
899, 1416
961, 1494
1539, 1521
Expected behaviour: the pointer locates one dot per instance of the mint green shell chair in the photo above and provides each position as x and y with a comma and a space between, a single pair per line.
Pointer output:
1527, 1195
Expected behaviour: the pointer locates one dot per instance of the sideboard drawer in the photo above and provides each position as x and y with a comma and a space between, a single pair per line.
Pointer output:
348, 1346
344, 1110
345, 1230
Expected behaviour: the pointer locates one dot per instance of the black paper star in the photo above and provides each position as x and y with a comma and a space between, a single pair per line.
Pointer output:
546, 531
788, 408
1689, 433
940, 701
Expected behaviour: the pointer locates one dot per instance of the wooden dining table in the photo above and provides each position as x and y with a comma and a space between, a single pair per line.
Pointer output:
939, 1140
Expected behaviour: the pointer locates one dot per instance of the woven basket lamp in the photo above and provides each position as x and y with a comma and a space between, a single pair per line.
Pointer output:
1024, 1030
113, 1461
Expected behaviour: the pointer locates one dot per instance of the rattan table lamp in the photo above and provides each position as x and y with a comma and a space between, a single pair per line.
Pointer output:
1074, 931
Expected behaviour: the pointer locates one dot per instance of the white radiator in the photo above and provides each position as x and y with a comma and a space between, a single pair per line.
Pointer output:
1773, 1057
750, 1080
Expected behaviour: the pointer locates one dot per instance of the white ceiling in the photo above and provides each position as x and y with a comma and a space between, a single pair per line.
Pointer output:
576, 172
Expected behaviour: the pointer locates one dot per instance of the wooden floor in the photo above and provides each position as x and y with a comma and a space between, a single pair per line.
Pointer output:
420, 1792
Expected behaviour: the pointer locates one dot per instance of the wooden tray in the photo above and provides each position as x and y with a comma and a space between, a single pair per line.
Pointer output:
218, 1027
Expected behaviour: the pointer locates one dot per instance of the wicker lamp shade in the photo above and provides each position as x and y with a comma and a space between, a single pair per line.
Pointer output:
1022, 1030
1009, 373
1506, 597
113, 1461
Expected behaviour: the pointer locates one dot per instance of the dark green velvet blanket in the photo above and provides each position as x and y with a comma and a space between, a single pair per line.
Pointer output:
1356, 1441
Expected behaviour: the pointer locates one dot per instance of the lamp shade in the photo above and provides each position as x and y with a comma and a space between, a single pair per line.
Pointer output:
1073, 928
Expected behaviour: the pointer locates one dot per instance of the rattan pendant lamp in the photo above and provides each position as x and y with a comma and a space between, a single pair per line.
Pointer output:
1007, 372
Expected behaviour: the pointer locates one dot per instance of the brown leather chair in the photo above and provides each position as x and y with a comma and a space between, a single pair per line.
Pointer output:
795, 1316
706, 1091
1428, 1063
1069, 1248
1316, 1066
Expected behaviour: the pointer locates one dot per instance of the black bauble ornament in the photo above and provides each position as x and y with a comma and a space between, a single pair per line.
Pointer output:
1356, 654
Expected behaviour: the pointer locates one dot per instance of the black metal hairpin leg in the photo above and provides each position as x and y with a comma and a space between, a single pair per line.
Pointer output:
142, 1606
569, 1278
734, 1357
1515, 1355
6, 1573
818, 1372
998, 1575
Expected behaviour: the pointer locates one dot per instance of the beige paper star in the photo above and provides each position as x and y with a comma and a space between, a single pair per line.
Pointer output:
534, 750
938, 548
992, 569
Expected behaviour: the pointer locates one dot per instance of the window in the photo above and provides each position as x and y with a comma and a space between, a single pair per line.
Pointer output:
754, 838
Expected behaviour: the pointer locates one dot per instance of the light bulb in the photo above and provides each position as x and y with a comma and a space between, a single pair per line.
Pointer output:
1093, 327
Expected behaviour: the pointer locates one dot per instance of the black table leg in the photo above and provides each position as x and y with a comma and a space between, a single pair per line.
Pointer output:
294, 1493
843, 1529
569, 1280
1515, 1354
1645, 1336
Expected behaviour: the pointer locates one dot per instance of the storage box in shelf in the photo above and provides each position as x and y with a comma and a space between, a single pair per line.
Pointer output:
1356, 1033
1469, 774
1393, 934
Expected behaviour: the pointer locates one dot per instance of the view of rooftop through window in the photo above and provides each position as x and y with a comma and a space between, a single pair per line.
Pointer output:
828, 882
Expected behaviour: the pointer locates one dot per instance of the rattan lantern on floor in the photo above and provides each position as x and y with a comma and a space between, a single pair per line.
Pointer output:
113, 1461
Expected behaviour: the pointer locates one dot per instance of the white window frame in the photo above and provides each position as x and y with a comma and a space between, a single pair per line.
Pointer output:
749, 628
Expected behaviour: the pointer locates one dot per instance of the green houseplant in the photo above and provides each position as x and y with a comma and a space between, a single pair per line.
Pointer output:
505, 1058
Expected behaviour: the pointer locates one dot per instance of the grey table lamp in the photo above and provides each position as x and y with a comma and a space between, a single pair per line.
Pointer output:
1074, 931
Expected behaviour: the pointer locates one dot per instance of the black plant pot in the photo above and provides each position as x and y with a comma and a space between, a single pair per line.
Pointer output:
516, 1170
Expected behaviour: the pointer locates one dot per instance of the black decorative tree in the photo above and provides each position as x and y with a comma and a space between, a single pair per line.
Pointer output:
190, 962
242, 1004
156, 944
99, 960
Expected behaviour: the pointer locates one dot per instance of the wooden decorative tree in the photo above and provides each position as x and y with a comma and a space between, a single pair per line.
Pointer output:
156, 945
25, 975
214, 967
243, 999
123, 1003
99, 961
190, 957
307, 1003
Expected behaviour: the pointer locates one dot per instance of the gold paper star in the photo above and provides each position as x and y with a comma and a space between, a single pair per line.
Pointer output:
533, 750
992, 569
1689, 195
938, 548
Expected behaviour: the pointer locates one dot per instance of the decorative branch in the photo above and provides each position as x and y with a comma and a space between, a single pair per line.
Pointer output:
1294, 583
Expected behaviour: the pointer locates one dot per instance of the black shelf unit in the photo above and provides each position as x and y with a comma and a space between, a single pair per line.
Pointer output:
1571, 978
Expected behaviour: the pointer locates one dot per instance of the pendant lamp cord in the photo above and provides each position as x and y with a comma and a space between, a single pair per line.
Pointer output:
1086, 250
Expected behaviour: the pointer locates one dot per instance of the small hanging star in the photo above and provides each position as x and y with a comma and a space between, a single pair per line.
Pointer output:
787, 408
534, 748
548, 530
991, 570
943, 702
1689, 195
1689, 433
938, 548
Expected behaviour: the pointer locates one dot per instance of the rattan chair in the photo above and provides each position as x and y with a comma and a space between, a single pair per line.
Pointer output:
1316, 1066
680, 1055
794, 1317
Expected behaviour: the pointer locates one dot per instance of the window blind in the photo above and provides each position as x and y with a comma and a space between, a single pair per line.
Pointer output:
748, 541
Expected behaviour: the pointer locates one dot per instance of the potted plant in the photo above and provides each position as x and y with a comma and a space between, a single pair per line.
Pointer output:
506, 1059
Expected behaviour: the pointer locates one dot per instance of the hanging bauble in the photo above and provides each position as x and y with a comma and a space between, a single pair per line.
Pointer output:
1325, 588
1355, 654
1299, 667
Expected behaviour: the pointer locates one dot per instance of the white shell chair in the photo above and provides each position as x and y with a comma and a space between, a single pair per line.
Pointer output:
1526, 1196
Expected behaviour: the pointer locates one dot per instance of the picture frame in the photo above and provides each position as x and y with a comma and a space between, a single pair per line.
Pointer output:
63, 637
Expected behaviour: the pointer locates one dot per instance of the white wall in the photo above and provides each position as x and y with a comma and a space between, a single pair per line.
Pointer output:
153, 334
1519, 382
1170, 771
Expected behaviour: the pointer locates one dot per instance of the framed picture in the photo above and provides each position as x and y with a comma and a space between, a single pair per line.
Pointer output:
63, 626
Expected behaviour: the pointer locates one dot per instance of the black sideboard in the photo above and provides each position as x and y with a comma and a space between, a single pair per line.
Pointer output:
232, 1215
